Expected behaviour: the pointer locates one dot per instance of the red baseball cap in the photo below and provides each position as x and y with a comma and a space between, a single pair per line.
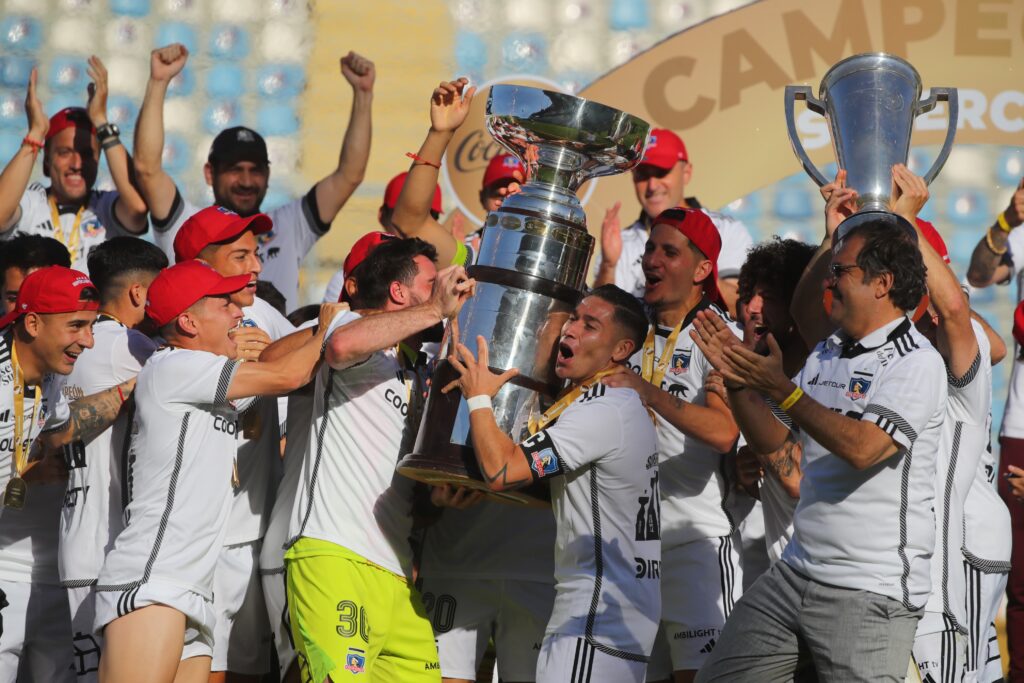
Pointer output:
1018, 324
215, 224
394, 189
504, 167
178, 287
934, 239
67, 118
362, 248
698, 228
664, 149
54, 289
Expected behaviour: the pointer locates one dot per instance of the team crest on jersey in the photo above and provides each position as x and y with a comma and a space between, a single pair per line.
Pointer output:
544, 463
92, 228
858, 388
680, 362
266, 237
355, 660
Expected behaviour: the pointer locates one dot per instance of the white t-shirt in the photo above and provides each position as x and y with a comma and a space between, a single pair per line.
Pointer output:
873, 529
605, 500
93, 506
629, 274
694, 488
178, 475
28, 537
297, 227
349, 492
987, 528
99, 223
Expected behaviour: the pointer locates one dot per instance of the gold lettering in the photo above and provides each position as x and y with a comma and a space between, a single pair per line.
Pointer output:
971, 20
897, 29
806, 39
656, 96
738, 49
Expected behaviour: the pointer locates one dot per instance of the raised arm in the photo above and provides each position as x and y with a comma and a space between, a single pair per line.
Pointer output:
333, 191
130, 208
16, 174
988, 262
157, 188
90, 416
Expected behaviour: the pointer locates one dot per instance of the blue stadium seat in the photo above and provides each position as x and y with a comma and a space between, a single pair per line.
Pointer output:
280, 81
131, 8
524, 52
792, 203
624, 15
68, 74
225, 81
10, 142
123, 111
57, 102
745, 208
968, 207
228, 41
1010, 166
176, 32
277, 119
15, 71
470, 52
220, 115
183, 84
12, 110
177, 156
21, 34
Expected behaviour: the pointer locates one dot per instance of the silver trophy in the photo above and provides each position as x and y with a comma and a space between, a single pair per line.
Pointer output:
531, 268
870, 102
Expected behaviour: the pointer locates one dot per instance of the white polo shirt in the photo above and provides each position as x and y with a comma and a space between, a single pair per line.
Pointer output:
178, 476
28, 537
873, 529
91, 515
296, 229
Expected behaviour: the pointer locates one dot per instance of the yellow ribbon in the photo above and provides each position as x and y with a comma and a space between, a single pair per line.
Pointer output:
567, 398
21, 464
70, 240
655, 372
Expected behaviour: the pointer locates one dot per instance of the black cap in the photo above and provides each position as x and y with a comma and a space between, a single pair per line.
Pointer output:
238, 144
862, 218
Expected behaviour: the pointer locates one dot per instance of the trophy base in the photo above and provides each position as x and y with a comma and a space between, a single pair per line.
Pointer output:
869, 216
429, 471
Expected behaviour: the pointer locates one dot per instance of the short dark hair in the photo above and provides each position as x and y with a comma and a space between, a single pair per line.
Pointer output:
776, 265
889, 250
303, 314
33, 251
272, 295
392, 260
118, 258
628, 314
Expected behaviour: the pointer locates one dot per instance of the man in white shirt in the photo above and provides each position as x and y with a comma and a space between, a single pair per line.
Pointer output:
238, 172
122, 269
869, 404
602, 461
70, 210
40, 342
660, 182
154, 593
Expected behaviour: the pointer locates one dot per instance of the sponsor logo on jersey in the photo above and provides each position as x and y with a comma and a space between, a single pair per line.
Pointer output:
695, 633
680, 362
544, 463
6, 374
355, 660
92, 228
858, 388
708, 647
222, 424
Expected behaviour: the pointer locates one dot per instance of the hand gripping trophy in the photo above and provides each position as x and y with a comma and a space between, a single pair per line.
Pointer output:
531, 267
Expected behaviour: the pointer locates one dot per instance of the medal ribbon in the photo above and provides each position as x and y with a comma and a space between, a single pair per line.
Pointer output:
21, 465
71, 239
655, 372
567, 398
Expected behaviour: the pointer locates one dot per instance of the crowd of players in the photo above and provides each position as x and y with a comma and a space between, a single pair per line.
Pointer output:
769, 462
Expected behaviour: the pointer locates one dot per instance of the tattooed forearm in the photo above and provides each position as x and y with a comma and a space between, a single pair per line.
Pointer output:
783, 462
501, 476
91, 415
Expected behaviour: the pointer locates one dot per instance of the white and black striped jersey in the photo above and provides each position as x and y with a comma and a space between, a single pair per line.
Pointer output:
601, 456
178, 479
987, 528
93, 504
873, 529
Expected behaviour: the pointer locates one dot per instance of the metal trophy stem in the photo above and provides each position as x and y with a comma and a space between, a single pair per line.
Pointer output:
531, 267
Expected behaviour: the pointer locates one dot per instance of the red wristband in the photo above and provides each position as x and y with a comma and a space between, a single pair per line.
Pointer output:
119, 393
420, 159
34, 144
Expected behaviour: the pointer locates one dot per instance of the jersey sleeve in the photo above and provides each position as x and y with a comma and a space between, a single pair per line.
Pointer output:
59, 414
272, 322
298, 222
344, 318
165, 229
907, 396
195, 378
102, 204
970, 396
736, 242
32, 203
585, 433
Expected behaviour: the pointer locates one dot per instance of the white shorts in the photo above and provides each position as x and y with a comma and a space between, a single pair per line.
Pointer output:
571, 659
198, 611
280, 624
466, 612
985, 592
940, 650
700, 583
241, 637
86, 645
35, 634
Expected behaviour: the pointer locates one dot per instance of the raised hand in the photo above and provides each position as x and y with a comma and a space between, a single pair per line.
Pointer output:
475, 376
38, 121
327, 313
611, 235
713, 337
840, 202
167, 62
449, 104
909, 192
250, 342
1015, 211
751, 369
98, 90
358, 71
452, 288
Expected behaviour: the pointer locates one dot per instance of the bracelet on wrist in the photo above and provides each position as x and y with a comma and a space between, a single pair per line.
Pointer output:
418, 159
34, 144
479, 402
110, 142
1003, 224
992, 247
792, 399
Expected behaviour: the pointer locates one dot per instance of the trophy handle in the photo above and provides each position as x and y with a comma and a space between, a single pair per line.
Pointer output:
804, 92
936, 95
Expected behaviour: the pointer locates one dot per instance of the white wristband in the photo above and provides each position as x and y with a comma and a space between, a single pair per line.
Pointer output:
478, 402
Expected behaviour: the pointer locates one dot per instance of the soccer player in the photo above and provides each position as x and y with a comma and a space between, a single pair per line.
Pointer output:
40, 342
598, 446
122, 269
660, 182
238, 171
847, 600
23, 255
154, 603
349, 562
70, 210
701, 575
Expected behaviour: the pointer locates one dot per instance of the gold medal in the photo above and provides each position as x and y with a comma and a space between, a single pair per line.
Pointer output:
14, 494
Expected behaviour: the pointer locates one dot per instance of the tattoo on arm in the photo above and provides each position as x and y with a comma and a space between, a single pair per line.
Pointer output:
783, 461
91, 415
502, 476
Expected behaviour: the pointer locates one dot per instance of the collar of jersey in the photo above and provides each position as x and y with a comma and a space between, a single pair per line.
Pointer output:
873, 340
703, 304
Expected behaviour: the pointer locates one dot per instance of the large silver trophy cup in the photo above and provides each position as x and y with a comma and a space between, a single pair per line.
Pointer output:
870, 102
531, 267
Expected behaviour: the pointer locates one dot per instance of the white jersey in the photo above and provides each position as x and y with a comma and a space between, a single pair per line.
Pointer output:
349, 491
892, 378
607, 552
629, 274
99, 223
297, 227
28, 537
93, 505
1013, 416
178, 475
694, 488
987, 527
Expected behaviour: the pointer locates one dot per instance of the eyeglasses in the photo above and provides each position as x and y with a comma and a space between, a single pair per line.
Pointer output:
839, 269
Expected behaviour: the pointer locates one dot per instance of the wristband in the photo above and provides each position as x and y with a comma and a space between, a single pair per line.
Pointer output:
792, 398
34, 144
119, 393
992, 247
1001, 221
479, 402
417, 157
110, 142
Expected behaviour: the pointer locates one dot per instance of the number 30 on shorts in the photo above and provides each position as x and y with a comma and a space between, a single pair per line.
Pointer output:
441, 608
352, 619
